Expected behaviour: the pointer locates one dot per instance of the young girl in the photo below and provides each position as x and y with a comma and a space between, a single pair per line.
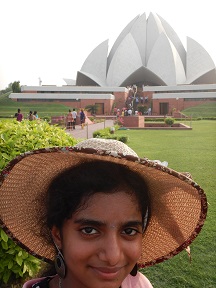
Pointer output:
98, 212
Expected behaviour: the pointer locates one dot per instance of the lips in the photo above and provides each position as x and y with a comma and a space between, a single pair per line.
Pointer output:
108, 273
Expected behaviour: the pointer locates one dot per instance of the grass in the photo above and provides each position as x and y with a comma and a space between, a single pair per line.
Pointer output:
8, 108
193, 151
204, 110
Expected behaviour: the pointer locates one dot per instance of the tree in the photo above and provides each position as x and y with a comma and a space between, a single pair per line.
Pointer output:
6, 90
92, 109
142, 109
16, 87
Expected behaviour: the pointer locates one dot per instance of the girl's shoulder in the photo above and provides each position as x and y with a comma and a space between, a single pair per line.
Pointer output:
138, 281
38, 282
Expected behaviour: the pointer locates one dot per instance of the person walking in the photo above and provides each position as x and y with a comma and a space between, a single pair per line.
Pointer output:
36, 115
82, 118
19, 115
69, 120
74, 114
31, 116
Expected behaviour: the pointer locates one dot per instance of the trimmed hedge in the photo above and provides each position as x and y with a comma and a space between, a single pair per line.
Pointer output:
15, 138
106, 134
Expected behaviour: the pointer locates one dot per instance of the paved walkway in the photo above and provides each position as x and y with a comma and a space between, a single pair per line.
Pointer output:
88, 130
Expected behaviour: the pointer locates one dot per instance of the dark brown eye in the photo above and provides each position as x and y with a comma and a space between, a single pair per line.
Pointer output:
89, 230
130, 231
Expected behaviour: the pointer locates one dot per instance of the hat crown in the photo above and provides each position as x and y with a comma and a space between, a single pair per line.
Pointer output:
109, 145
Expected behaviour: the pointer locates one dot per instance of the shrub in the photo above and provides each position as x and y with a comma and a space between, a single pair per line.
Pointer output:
106, 134
102, 133
119, 121
92, 109
169, 121
123, 138
16, 138
15, 263
114, 137
142, 109
91, 118
46, 118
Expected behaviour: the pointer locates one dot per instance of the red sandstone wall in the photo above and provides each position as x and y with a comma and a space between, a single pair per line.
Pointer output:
133, 121
174, 104
120, 99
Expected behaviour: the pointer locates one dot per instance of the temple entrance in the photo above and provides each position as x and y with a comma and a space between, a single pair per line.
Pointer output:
100, 108
164, 108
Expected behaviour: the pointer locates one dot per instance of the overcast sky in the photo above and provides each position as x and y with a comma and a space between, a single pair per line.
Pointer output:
51, 39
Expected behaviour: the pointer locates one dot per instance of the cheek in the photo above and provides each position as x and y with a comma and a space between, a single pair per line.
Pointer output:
78, 250
134, 249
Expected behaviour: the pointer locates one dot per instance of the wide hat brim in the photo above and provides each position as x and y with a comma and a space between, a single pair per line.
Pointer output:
178, 204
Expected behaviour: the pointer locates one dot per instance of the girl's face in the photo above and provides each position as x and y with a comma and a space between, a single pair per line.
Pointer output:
101, 243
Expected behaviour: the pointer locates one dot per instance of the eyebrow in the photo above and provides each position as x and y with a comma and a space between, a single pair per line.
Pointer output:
91, 222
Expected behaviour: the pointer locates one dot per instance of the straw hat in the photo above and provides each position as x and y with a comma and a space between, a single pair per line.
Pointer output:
178, 204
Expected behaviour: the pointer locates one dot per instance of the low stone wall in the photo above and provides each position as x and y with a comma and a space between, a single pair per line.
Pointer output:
58, 120
149, 124
161, 126
133, 121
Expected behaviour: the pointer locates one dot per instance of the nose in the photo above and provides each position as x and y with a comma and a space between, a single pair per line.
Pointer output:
110, 250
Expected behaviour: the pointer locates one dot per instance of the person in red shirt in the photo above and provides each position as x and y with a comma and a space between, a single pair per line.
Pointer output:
19, 115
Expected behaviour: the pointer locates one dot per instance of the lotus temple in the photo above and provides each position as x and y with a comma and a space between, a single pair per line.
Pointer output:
147, 66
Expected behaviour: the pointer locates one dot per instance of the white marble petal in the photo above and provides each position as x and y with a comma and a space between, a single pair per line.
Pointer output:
138, 32
199, 61
126, 60
175, 40
154, 29
118, 41
96, 63
165, 62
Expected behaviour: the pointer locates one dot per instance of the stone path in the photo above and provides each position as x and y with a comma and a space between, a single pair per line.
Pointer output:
88, 130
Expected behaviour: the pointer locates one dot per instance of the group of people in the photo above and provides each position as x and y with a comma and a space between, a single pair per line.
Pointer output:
31, 116
129, 112
71, 119
133, 100
96, 213
125, 112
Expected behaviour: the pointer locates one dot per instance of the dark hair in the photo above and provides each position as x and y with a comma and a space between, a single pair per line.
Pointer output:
70, 190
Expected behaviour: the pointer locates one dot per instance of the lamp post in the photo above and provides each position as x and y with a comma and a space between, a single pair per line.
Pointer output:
177, 104
77, 99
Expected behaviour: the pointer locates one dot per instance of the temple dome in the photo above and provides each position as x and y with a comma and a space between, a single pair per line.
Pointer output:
148, 51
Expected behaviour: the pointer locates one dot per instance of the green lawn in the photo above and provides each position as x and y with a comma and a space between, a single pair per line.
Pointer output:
8, 108
193, 151
204, 110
